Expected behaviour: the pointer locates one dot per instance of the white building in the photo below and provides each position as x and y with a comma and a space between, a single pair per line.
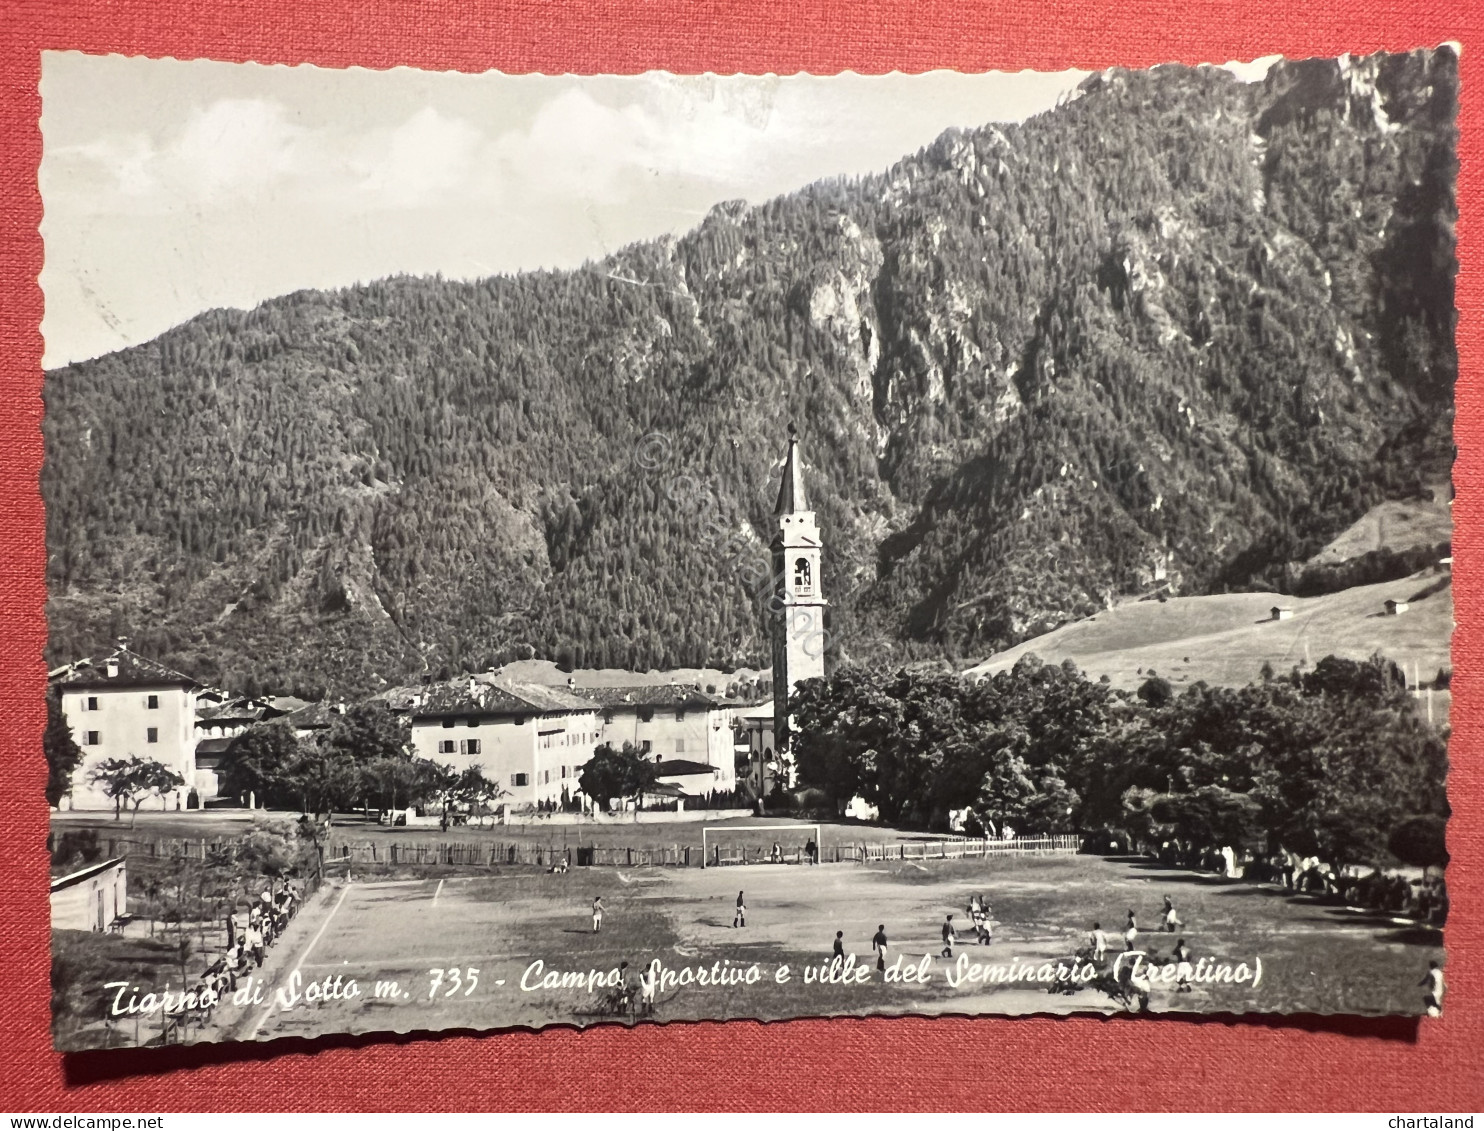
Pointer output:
122, 706
755, 752
531, 741
91, 898
218, 722
677, 726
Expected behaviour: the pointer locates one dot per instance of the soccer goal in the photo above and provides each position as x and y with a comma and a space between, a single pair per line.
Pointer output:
760, 844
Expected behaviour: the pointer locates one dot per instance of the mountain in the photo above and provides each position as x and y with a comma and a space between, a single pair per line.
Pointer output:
1179, 331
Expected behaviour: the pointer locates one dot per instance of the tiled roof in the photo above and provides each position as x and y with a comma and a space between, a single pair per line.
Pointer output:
86, 873
654, 695
316, 716
213, 746
230, 712
681, 768
482, 695
133, 670
548, 698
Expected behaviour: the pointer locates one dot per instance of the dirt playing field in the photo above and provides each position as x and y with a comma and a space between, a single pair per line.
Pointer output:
1314, 958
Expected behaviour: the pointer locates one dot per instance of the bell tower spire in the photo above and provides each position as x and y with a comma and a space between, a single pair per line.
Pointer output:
791, 498
798, 600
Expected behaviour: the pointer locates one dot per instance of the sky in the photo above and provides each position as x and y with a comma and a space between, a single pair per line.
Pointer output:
171, 187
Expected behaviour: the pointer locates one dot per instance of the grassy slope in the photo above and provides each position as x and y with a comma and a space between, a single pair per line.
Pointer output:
1393, 525
1225, 638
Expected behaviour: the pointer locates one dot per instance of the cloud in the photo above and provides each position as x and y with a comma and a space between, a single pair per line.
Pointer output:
235, 146
234, 152
582, 147
419, 163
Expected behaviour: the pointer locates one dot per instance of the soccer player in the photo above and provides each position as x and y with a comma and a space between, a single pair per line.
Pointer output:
647, 983
739, 917
625, 989
948, 937
1433, 981
878, 944
1131, 932
597, 914
1136, 985
1183, 968
1172, 921
1098, 941
839, 951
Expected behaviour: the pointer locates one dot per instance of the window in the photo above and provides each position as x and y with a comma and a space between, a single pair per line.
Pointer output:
680, 716
446, 746
473, 722
607, 718
644, 746
92, 703
520, 720
152, 702
470, 746
564, 773
520, 779
646, 715
152, 734
680, 746
448, 724
545, 777
803, 575
92, 738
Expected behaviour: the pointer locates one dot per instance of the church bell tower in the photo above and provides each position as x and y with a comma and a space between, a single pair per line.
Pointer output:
798, 604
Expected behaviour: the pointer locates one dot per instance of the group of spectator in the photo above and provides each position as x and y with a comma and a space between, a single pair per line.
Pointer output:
1424, 899
248, 940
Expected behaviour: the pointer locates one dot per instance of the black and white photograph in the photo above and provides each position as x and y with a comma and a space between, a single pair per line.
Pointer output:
533, 550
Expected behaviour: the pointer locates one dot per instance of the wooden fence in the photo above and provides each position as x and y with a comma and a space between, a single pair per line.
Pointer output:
959, 848
83, 842
487, 854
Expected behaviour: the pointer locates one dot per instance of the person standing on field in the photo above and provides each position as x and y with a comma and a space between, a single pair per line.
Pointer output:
1172, 921
1098, 941
648, 981
878, 944
597, 914
948, 937
839, 951
1183, 969
1433, 981
1131, 932
739, 917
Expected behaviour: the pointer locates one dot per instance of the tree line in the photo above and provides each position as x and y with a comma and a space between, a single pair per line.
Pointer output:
1334, 762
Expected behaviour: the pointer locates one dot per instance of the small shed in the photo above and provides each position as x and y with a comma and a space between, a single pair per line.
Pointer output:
1279, 612
90, 899
1395, 608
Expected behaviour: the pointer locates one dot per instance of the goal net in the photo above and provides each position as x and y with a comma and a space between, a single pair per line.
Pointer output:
760, 844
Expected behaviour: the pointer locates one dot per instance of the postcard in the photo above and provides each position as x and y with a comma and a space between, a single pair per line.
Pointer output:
553, 550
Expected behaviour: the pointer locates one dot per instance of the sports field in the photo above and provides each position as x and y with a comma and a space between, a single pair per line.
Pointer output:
1315, 958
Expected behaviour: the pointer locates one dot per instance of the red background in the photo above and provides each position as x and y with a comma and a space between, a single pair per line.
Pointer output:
1039, 1063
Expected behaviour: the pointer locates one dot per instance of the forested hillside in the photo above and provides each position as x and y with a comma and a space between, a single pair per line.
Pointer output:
1179, 330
